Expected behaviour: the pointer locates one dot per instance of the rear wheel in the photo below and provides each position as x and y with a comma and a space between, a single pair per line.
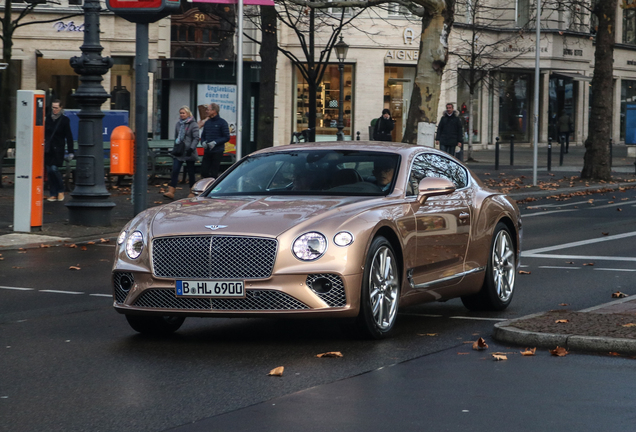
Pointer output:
496, 293
155, 325
380, 293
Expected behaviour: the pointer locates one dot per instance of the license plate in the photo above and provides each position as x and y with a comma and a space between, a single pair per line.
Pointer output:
210, 288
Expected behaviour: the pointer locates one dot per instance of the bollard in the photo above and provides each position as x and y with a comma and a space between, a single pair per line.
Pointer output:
562, 151
611, 153
358, 136
512, 150
497, 154
549, 154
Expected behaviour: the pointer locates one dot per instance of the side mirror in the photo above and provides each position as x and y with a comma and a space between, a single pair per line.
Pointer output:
202, 185
434, 186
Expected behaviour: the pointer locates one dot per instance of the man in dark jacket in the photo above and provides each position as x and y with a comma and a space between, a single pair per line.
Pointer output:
57, 132
450, 133
213, 138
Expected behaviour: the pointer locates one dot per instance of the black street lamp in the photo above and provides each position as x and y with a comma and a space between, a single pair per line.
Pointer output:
341, 52
90, 203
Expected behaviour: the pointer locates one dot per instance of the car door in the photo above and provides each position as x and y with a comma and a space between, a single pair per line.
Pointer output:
442, 224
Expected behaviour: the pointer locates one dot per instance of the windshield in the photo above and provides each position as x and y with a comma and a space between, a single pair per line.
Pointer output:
312, 172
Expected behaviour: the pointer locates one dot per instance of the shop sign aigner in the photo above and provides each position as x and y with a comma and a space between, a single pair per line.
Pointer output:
407, 55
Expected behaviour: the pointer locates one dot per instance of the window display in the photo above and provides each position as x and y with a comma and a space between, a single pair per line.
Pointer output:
327, 103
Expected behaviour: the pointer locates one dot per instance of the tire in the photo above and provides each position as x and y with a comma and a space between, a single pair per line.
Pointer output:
380, 292
155, 325
499, 282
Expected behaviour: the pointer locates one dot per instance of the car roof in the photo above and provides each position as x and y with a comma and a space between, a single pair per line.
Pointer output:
403, 149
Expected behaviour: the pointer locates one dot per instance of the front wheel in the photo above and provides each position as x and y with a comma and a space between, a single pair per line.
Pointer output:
380, 293
155, 325
496, 293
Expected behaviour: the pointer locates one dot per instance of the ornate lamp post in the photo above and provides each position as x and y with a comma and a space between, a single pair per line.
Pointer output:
90, 203
341, 52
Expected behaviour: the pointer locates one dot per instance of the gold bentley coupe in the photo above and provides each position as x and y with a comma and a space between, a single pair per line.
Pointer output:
343, 230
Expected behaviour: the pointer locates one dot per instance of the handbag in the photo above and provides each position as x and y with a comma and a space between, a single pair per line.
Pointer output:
178, 149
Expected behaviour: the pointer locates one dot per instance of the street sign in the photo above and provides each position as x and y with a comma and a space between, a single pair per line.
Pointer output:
143, 11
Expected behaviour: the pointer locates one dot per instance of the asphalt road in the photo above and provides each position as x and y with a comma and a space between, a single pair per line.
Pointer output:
69, 362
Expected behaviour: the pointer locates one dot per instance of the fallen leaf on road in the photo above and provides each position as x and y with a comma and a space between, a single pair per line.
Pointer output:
619, 209
619, 294
103, 240
605, 233
91, 243
45, 246
462, 353
71, 245
628, 325
84, 248
588, 264
499, 357
524, 272
74, 268
559, 352
529, 352
157, 202
569, 262
480, 344
330, 354
21, 251
561, 321
16, 267
427, 334
610, 202
277, 371
564, 304
612, 353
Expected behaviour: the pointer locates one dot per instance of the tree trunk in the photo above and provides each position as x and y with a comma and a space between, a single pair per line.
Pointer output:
596, 160
433, 57
268, 51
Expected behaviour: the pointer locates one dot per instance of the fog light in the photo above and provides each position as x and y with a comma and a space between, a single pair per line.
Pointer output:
126, 283
321, 285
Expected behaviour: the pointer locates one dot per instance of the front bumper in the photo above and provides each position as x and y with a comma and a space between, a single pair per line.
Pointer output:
279, 295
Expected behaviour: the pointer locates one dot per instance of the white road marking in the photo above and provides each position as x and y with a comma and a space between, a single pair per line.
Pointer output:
546, 213
616, 204
561, 267
580, 257
564, 205
578, 243
102, 295
61, 292
16, 288
611, 269
422, 315
480, 318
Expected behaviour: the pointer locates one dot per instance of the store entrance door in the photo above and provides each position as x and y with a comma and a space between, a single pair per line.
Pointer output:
398, 86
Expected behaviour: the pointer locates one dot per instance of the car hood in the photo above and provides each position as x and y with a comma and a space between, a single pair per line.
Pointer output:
255, 215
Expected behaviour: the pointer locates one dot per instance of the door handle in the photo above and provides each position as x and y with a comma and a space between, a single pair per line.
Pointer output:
464, 216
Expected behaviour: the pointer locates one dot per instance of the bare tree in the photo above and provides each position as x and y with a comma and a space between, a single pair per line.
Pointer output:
479, 49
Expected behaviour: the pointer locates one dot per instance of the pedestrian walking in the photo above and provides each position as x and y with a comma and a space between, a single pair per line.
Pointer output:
57, 133
186, 139
215, 134
450, 133
383, 127
565, 128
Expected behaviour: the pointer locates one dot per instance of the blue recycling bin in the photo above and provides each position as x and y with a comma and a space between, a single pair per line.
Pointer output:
630, 124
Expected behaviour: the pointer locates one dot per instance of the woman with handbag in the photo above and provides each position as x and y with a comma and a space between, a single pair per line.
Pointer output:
186, 134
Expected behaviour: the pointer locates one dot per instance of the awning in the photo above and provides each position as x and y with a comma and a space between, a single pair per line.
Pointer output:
58, 54
573, 75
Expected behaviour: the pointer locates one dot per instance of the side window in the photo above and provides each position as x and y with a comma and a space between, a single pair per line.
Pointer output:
433, 165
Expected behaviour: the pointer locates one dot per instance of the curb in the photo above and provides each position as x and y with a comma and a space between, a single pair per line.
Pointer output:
58, 241
507, 332
547, 193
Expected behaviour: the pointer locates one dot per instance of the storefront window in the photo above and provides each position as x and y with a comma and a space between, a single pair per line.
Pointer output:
629, 26
515, 94
463, 100
628, 96
562, 101
327, 100
398, 85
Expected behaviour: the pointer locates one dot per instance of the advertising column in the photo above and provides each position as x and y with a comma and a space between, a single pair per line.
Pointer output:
29, 162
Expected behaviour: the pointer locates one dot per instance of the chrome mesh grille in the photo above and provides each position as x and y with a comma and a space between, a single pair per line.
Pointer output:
120, 293
213, 257
263, 300
336, 296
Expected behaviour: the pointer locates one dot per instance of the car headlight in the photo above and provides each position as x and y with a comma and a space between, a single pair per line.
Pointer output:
134, 245
343, 238
122, 237
310, 246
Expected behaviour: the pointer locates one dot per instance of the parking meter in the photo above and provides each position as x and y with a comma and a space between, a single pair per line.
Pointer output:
29, 161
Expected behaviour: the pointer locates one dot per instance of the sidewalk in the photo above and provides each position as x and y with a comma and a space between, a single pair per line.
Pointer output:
600, 329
